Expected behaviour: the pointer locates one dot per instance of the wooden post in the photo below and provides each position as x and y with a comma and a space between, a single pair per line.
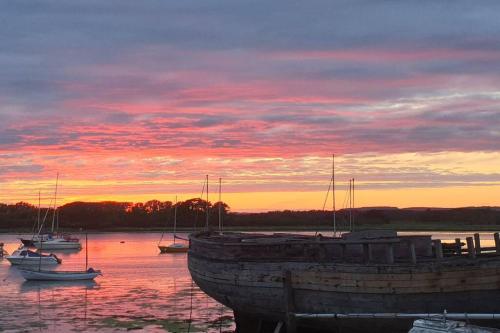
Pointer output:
438, 247
291, 326
458, 246
389, 252
497, 241
470, 248
477, 243
413, 253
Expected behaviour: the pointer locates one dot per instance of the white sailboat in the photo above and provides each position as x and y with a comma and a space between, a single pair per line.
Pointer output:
54, 240
47, 275
173, 247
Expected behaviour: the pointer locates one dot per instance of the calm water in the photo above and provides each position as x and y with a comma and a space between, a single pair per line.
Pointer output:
140, 290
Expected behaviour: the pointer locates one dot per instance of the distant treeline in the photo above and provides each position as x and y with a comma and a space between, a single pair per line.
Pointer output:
191, 213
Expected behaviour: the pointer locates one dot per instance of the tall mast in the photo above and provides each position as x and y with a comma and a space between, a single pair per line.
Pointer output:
206, 224
175, 218
55, 204
352, 208
350, 204
86, 251
38, 217
220, 205
333, 196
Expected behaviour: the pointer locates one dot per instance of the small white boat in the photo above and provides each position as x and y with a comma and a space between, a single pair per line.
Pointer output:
174, 248
24, 256
64, 242
43, 275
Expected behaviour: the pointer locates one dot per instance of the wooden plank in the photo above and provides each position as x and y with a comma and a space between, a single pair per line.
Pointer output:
413, 253
291, 326
438, 248
367, 256
389, 253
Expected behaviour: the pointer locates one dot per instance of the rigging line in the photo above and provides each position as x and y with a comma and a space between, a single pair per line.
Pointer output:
328, 192
44, 218
196, 208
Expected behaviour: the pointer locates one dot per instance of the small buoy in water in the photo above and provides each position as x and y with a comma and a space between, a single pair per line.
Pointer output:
122, 242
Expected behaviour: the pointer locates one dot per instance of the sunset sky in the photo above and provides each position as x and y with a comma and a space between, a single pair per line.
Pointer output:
139, 100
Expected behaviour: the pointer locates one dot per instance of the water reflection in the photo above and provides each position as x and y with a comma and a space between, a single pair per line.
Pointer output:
30, 286
139, 289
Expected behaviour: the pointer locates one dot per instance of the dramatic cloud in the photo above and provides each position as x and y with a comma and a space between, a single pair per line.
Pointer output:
146, 97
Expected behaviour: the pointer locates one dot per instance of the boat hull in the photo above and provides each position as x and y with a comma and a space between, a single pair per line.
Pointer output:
241, 276
32, 261
27, 242
258, 288
168, 249
49, 245
31, 275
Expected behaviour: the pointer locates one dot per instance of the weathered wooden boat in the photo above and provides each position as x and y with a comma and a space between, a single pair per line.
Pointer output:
316, 282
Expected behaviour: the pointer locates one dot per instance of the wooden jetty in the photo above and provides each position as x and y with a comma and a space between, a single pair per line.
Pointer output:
316, 283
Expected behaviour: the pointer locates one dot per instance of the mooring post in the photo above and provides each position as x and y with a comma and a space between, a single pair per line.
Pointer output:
477, 243
470, 248
458, 246
497, 241
438, 247
291, 326
413, 253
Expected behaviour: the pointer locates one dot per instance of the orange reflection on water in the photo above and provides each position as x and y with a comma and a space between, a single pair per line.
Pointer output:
139, 289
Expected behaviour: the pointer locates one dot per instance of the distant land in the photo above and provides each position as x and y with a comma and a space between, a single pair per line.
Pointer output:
158, 215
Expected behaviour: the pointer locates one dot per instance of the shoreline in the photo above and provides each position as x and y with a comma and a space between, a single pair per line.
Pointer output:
402, 228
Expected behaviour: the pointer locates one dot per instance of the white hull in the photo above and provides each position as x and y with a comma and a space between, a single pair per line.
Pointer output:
58, 276
32, 261
57, 245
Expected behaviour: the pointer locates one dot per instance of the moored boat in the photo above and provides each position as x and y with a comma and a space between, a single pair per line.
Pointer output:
45, 275
57, 242
313, 281
23, 256
174, 248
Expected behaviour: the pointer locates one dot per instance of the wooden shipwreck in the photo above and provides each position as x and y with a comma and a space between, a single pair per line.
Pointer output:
358, 280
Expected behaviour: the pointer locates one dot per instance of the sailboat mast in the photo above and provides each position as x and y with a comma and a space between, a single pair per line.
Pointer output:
86, 251
220, 205
175, 219
55, 204
333, 196
350, 204
39, 207
206, 224
40, 253
352, 207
